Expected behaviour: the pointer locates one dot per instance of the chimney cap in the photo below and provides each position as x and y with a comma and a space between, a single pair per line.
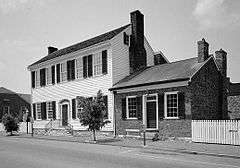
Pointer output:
202, 41
221, 50
51, 49
136, 11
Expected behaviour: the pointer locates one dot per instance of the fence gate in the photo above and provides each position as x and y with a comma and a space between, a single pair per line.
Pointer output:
216, 131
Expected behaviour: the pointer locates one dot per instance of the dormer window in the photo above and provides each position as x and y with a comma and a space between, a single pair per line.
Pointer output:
126, 39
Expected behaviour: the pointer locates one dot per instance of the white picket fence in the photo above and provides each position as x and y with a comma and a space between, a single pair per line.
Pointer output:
216, 131
22, 127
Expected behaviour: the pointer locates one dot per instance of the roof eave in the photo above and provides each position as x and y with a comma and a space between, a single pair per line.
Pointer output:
151, 83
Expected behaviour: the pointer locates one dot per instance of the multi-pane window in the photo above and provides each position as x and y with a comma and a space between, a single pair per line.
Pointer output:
49, 75
37, 75
79, 68
63, 71
38, 110
131, 107
97, 63
171, 105
49, 110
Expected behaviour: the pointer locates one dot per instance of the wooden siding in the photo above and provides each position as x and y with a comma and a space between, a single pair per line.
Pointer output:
80, 87
150, 53
120, 54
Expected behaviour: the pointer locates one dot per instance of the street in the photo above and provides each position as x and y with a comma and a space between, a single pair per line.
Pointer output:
35, 153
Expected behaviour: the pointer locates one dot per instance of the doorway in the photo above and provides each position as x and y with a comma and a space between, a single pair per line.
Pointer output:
64, 115
151, 112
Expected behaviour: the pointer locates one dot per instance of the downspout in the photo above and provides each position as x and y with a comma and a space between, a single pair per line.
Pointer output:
114, 115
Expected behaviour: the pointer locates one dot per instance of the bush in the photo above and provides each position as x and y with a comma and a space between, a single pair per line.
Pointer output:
10, 123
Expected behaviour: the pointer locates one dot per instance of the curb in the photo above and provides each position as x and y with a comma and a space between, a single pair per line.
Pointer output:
138, 147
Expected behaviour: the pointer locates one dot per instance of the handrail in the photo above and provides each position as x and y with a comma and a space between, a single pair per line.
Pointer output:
48, 125
71, 128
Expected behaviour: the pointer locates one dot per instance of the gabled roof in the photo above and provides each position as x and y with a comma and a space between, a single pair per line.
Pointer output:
6, 91
82, 45
25, 97
169, 72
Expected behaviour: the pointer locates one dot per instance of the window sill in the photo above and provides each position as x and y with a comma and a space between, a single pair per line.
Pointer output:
171, 118
131, 118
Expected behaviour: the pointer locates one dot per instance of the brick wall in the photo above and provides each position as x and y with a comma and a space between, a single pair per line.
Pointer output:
234, 107
179, 127
205, 102
15, 103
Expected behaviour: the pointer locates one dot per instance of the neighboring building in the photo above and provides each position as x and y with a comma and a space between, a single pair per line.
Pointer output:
14, 103
234, 101
140, 86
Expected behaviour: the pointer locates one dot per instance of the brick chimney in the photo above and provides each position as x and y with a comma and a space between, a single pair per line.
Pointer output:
202, 50
137, 52
52, 49
221, 60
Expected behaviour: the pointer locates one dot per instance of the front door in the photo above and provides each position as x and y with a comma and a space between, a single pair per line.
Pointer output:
64, 115
151, 110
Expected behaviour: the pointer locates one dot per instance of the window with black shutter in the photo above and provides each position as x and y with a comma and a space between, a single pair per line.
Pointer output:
181, 105
161, 106
54, 109
43, 111
34, 111
85, 68
139, 107
125, 39
104, 62
124, 113
43, 77
33, 79
58, 73
73, 69
105, 100
53, 74
69, 69
73, 108
89, 65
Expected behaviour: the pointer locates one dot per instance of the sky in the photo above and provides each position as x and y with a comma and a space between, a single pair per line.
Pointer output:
28, 27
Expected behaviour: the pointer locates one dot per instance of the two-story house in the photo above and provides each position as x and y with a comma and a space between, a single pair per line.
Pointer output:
140, 87
84, 68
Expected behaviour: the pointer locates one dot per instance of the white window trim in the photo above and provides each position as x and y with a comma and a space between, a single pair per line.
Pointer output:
76, 77
47, 109
145, 109
48, 70
127, 115
37, 111
37, 73
165, 105
61, 77
94, 63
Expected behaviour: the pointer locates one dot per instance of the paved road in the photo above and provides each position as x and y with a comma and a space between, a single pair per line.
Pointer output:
33, 153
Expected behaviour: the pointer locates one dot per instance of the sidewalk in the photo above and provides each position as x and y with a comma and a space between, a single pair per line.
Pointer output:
179, 146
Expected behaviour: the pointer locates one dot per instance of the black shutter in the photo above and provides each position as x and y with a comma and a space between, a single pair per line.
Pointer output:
139, 107
43, 77
104, 62
43, 111
73, 108
54, 109
124, 113
161, 106
125, 39
33, 79
181, 105
34, 111
69, 77
58, 73
73, 69
89, 65
53, 74
105, 100
85, 67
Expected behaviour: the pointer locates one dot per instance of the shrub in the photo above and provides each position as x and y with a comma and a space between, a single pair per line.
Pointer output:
10, 123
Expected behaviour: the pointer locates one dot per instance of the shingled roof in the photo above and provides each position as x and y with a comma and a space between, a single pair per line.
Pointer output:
175, 71
82, 45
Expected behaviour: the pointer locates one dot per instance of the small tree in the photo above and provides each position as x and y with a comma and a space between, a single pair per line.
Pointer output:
10, 123
92, 113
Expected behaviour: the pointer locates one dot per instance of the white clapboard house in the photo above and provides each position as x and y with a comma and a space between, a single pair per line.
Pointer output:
84, 68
